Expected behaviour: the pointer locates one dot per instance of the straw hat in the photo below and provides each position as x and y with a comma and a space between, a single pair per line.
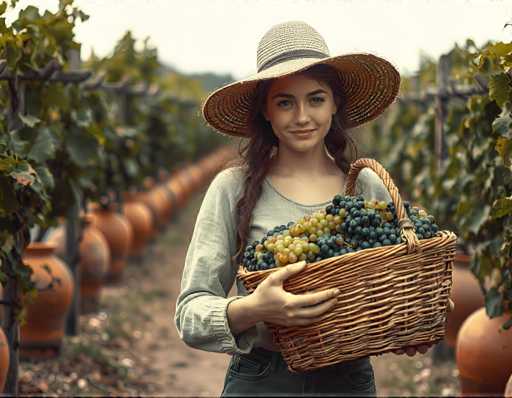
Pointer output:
369, 83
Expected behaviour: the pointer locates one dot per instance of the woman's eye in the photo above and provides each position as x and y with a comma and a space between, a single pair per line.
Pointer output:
317, 100
284, 104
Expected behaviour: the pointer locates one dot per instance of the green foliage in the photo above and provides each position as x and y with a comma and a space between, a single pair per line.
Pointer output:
70, 144
471, 193
153, 133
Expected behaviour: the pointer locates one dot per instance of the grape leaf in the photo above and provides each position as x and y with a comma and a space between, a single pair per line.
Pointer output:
43, 147
504, 148
501, 49
502, 207
493, 305
29, 120
502, 125
499, 88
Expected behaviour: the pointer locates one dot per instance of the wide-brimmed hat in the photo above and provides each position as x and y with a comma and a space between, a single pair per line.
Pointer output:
369, 83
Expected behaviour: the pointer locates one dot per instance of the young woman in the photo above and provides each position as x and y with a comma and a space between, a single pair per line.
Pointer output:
294, 113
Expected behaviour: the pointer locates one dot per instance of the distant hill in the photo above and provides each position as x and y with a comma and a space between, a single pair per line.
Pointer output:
209, 80
212, 81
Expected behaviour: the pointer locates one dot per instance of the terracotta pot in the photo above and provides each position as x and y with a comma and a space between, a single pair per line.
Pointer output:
172, 198
484, 354
174, 185
508, 388
157, 200
184, 180
118, 233
140, 218
41, 335
160, 196
94, 254
4, 359
196, 175
465, 293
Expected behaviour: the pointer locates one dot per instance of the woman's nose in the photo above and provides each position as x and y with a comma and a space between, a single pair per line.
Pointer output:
302, 114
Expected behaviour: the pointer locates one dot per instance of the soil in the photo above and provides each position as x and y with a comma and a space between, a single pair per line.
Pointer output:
131, 346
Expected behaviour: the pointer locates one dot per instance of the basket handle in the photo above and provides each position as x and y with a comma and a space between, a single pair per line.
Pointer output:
406, 227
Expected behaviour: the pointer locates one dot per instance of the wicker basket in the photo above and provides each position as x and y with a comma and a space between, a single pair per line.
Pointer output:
391, 296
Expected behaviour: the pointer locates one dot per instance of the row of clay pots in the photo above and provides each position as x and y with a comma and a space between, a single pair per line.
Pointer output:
108, 239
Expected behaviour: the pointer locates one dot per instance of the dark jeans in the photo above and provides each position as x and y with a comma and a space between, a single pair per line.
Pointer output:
263, 372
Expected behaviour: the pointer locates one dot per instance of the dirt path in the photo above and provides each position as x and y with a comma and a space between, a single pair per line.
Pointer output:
175, 368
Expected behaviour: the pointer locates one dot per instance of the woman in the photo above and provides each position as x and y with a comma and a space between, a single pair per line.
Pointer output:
294, 112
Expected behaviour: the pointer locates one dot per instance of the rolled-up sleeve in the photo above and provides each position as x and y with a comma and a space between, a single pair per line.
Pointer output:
208, 274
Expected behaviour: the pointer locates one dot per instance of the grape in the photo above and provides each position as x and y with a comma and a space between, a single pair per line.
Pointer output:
346, 225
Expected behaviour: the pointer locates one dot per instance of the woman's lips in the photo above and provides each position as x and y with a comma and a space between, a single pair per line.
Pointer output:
303, 133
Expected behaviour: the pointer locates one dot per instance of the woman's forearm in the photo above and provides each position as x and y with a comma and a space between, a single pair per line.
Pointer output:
242, 315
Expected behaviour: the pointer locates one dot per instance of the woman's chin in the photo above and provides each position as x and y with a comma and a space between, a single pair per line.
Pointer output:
304, 146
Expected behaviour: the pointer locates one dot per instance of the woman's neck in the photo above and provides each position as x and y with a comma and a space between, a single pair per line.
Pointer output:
318, 162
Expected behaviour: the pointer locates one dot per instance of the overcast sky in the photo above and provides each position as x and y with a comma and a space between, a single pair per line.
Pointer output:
222, 35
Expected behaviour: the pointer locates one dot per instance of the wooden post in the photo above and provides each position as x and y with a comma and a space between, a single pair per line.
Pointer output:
443, 76
72, 260
73, 237
12, 292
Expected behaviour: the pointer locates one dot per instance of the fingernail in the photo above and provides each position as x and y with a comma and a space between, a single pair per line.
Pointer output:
336, 292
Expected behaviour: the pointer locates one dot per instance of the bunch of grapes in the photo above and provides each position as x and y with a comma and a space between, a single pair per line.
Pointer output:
346, 225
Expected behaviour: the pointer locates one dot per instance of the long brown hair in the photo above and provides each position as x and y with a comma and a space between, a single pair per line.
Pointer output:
256, 151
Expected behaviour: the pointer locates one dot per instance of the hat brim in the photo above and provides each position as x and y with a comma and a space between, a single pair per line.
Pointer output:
369, 85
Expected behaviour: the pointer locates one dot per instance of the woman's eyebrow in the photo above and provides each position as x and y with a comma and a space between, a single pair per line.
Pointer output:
285, 95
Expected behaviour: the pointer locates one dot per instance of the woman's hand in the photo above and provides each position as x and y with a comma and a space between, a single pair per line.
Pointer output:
275, 305
422, 348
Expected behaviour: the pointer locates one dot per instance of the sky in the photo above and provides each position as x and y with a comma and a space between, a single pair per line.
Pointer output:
222, 35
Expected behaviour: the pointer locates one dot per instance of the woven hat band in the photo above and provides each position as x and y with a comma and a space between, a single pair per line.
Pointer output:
293, 54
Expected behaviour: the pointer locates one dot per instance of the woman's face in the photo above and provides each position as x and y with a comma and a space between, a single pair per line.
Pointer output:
300, 110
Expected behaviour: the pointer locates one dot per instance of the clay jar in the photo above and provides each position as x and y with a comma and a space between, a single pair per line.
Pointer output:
174, 185
197, 176
94, 255
188, 181
161, 197
466, 295
41, 335
118, 234
140, 218
157, 200
4, 359
484, 354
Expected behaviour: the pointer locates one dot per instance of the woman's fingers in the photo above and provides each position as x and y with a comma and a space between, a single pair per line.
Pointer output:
317, 310
413, 350
410, 351
309, 299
